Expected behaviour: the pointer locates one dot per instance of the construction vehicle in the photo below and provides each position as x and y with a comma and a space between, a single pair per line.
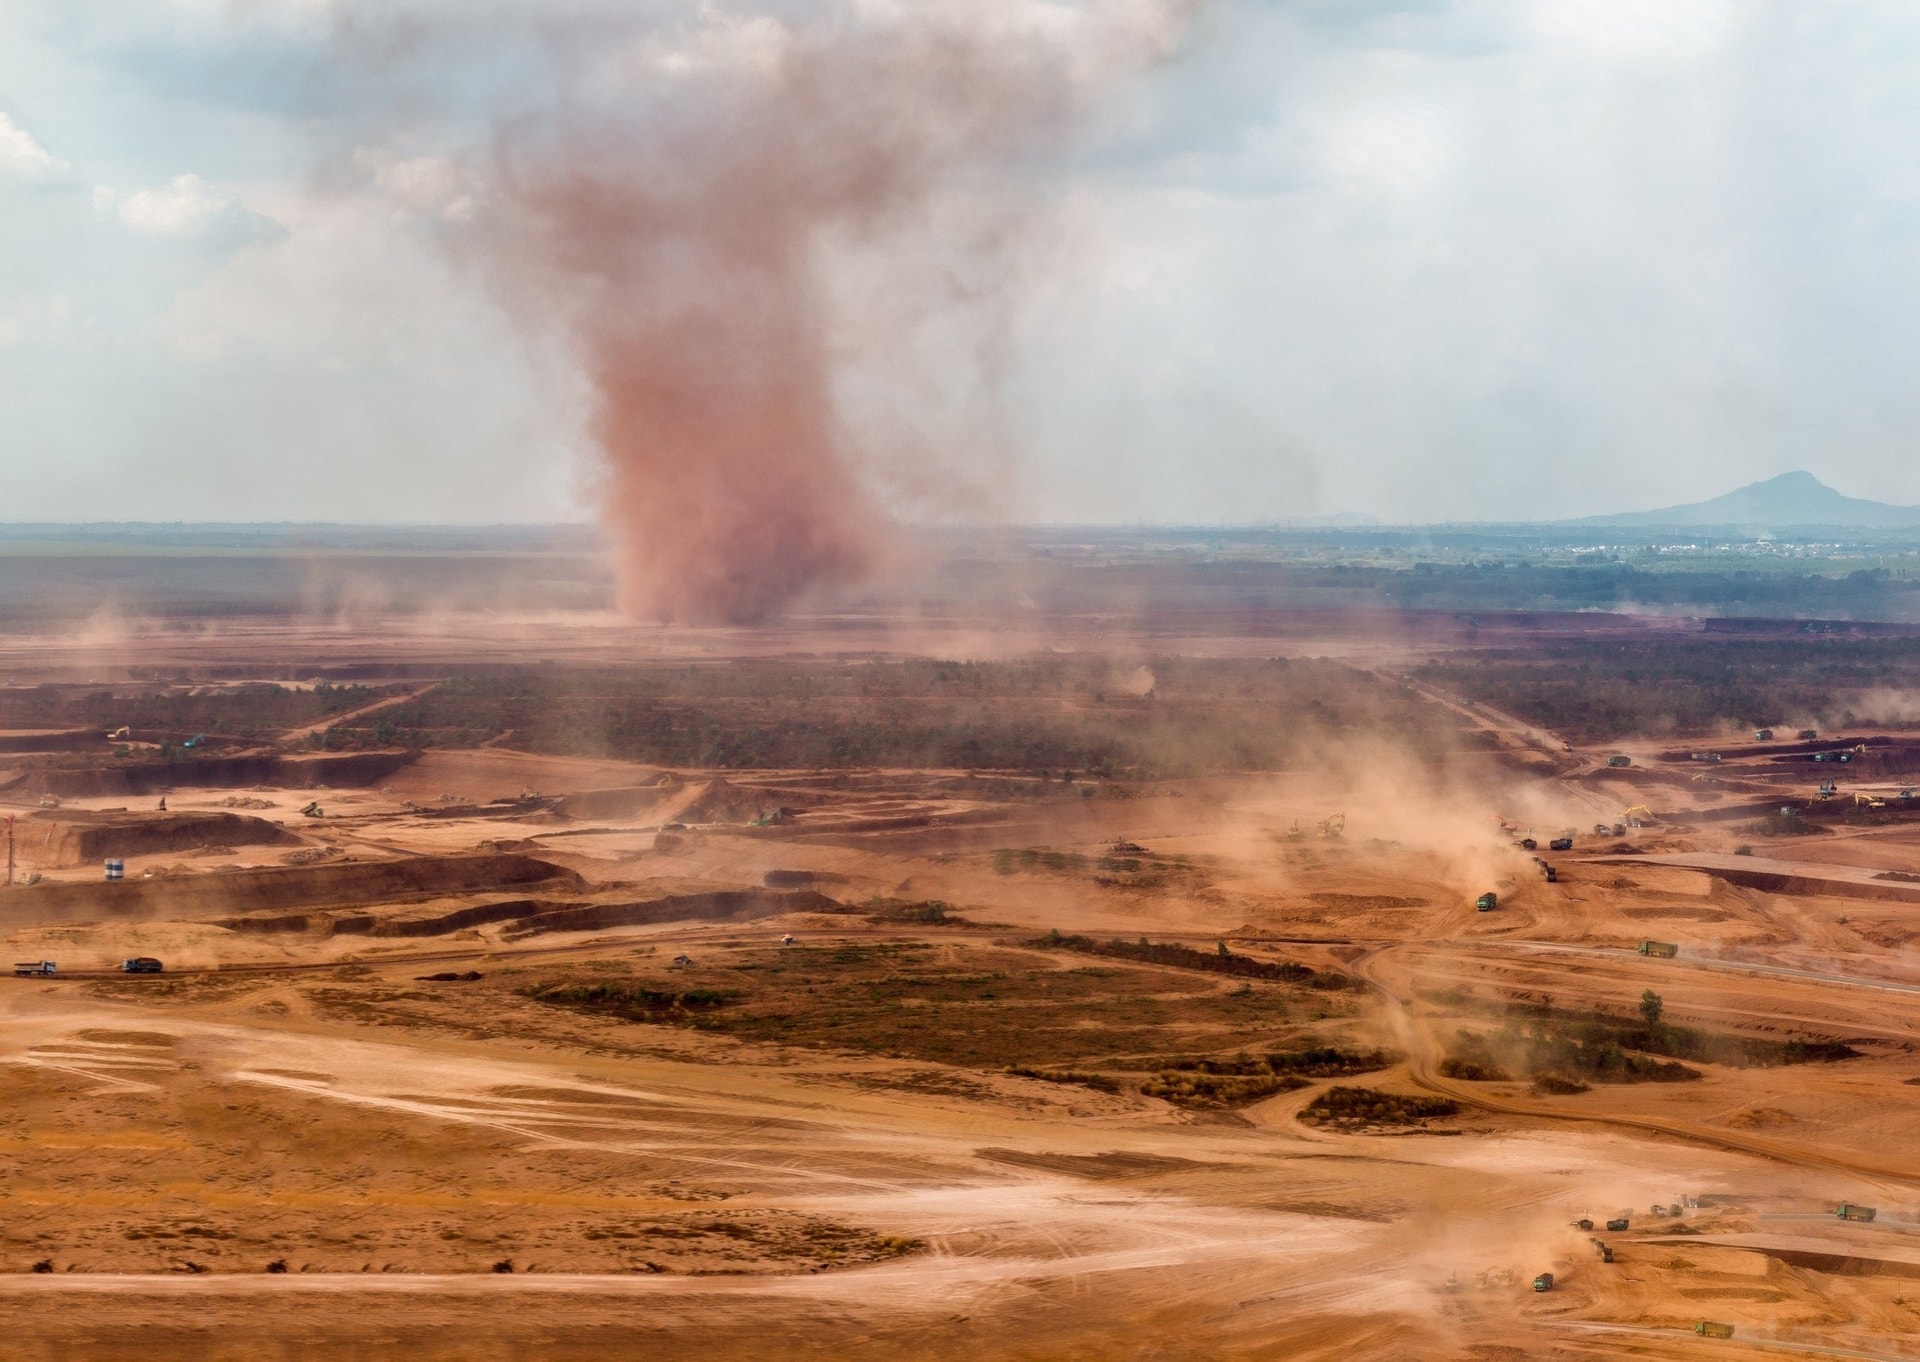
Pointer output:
1544, 1282
1871, 801
1619, 829
1551, 873
1846, 1210
1583, 1224
1334, 826
1634, 815
1527, 844
1619, 761
1606, 1250
313, 810
27, 969
1560, 844
120, 734
141, 964
1487, 902
1828, 791
1664, 950
1708, 1328
1809, 734
1763, 735
1618, 1223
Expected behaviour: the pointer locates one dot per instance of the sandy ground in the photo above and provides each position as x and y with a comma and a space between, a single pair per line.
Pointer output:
304, 1099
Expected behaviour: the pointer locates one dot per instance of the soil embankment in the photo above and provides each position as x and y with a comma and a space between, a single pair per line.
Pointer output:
188, 897
1783, 877
72, 838
722, 905
328, 771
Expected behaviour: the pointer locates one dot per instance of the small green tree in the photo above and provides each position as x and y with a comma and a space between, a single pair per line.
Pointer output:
1651, 1007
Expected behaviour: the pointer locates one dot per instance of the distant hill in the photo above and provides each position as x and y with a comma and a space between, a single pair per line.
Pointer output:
1791, 499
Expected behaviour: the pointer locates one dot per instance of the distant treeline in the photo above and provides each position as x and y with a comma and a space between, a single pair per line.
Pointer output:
256, 711
1496, 583
1650, 688
1070, 717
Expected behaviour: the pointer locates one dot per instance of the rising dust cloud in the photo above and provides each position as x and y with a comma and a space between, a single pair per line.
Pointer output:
679, 209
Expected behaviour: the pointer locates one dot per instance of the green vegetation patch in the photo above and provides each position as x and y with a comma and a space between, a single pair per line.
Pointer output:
635, 1000
1218, 1090
1058, 718
1352, 1108
1596, 1047
1596, 692
1220, 960
962, 1003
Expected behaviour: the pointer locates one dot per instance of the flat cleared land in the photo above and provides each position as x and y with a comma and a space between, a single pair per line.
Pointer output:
502, 1054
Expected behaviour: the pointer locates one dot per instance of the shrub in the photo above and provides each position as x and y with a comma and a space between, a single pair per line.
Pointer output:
1369, 1106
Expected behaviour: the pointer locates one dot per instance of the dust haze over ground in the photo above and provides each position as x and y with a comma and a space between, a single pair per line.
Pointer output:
561, 987
779, 241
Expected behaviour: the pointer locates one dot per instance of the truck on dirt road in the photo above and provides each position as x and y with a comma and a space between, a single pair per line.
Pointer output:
27, 969
141, 964
1664, 950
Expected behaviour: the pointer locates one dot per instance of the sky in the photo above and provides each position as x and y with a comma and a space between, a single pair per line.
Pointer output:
1417, 261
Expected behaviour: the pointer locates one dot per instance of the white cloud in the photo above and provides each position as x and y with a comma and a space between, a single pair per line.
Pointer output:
188, 208
22, 157
432, 186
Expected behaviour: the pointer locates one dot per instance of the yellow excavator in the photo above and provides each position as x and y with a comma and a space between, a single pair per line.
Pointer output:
1634, 816
1334, 826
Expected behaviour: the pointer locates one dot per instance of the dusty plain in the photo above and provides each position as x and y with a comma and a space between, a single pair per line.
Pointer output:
499, 1054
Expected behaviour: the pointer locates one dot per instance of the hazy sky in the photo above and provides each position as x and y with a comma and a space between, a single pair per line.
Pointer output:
1422, 260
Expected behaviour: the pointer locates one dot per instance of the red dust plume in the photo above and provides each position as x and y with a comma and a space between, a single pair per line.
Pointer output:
678, 210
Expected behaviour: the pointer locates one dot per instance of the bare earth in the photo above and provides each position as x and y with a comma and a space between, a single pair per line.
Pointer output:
293, 1143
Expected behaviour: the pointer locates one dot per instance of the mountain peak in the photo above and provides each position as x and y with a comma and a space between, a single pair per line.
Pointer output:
1789, 499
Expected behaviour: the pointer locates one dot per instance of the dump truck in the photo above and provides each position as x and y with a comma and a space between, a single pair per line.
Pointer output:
1618, 1223
1560, 844
1665, 950
1487, 902
1553, 875
1846, 1210
1809, 734
1710, 1328
141, 964
26, 969
1619, 761
1544, 1282
1763, 735
1606, 1251
1527, 844
1583, 1224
